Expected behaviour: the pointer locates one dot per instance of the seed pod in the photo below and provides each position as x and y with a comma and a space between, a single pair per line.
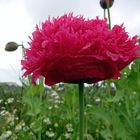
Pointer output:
104, 3
11, 46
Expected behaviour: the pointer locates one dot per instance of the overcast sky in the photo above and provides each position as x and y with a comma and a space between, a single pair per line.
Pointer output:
19, 17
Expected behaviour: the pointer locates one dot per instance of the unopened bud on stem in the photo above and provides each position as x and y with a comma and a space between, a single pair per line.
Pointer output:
11, 46
104, 3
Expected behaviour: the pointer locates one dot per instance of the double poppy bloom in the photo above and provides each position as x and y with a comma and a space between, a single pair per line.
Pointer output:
72, 49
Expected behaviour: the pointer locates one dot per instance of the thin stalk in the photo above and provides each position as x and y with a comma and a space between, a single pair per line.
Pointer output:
85, 124
109, 17
81, 110
104, 13
40, 115
22, 82
139, 69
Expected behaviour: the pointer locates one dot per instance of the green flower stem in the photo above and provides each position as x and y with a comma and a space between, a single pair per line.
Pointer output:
81, 110
109, 17
22, 82
139, 68
40, 132
104, 13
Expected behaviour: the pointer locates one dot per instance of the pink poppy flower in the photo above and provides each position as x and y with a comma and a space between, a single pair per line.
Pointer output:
72, 49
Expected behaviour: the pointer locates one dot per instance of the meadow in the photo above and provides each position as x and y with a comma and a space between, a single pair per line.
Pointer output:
112, 110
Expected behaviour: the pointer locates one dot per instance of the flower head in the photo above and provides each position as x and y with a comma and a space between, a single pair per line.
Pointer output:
72, 49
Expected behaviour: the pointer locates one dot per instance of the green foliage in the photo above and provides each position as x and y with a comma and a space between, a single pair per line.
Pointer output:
112, 111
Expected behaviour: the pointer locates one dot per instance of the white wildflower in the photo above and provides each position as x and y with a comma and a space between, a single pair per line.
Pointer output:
6, 135
56, 125
69, 127
50, 134
2, 108
56, 97
5, 103
1, 100
10, 100
16, 118
18, 127
50, 107
53, 94
14, 111
26, 128
57, 102
97, 101
62, 102
60, 89
47, 121
2, 113
56, 106
67, 135
10, 118
89, 105
23, 124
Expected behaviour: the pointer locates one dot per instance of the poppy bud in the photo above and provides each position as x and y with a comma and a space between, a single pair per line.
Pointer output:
11, 46
104, 3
